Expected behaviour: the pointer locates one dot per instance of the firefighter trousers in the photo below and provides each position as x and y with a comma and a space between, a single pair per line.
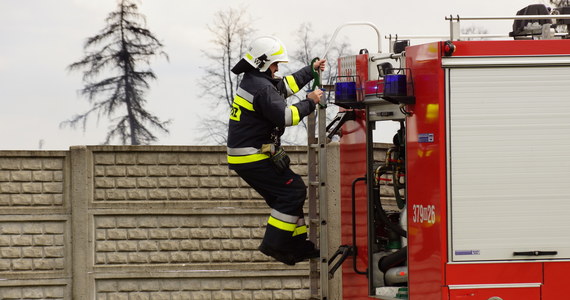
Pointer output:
285, 193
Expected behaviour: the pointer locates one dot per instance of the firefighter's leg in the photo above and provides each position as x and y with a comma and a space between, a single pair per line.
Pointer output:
285, 193
300, 232
304, 249
294, 195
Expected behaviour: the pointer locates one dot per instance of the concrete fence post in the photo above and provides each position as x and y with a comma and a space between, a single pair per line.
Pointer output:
334, 213
81, 193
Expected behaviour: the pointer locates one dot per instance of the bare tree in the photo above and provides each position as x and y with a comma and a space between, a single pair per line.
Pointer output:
560, 3
231, 30
473, 30
124, 44
305, 53
310, 46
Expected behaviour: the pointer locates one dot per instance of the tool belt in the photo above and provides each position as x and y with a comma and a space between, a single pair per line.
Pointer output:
278, 156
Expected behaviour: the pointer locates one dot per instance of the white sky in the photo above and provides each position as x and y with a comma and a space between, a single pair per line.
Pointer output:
40, 38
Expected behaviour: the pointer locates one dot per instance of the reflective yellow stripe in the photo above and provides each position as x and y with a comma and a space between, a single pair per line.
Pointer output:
280, 51
292, 83
281, 225
243, 103
295, 118
249, 56
246, 158
300, 230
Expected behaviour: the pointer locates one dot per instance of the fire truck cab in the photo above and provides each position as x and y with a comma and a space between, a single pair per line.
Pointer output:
472, 200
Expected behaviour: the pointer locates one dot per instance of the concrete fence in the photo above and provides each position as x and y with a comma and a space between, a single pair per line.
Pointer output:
136, 222
144, 222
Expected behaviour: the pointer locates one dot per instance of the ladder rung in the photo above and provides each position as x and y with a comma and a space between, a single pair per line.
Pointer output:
314, 221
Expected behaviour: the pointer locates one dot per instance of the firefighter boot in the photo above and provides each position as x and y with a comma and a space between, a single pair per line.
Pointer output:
277, 242
305, 250
281, 256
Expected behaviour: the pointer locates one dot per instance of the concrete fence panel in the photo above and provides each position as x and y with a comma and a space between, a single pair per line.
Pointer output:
138, 222
35, 232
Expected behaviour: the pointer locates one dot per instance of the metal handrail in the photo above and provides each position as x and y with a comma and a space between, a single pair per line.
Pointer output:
421, 37
519, 17
352, 24
458, 18
454, 27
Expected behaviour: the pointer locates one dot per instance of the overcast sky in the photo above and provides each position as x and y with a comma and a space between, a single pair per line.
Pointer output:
40, 38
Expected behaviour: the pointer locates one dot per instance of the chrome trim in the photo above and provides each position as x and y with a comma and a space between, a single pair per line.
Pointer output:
504, 61
494, 286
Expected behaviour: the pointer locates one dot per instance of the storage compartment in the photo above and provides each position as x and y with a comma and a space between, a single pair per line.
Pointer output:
493, 273
556, 281
509, 161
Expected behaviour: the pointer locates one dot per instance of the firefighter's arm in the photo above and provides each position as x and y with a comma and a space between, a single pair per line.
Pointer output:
274, 108
293, 83
305, 107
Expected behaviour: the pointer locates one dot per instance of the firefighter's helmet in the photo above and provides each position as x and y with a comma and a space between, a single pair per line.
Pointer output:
262, 52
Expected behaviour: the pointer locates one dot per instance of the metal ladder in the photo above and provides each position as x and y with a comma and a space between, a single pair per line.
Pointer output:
317, 157
318, 202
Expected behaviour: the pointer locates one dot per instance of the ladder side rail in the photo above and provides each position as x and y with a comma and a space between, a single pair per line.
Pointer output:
322, 197
314, 277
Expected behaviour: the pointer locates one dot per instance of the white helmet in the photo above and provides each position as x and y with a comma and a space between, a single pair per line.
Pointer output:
264, 51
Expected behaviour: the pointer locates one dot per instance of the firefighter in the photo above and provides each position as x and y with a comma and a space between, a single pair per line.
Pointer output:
258, 118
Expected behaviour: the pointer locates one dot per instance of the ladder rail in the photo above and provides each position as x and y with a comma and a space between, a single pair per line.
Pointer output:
318, 204
323, 201
312, 196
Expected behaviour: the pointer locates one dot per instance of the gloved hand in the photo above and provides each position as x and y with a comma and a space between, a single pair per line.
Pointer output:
319, 64
281, 160
315, 95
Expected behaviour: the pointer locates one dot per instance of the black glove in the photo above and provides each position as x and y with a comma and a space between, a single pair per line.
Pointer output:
281, 160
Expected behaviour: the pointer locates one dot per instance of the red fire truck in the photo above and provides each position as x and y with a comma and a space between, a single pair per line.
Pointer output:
480, 168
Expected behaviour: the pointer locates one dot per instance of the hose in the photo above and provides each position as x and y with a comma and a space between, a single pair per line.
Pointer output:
396, 182
355, 253
395, 259
399, 141
380, 212
316, 79
316, 75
